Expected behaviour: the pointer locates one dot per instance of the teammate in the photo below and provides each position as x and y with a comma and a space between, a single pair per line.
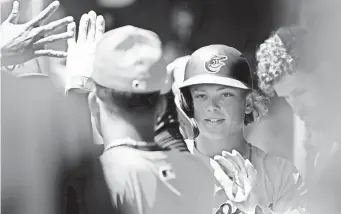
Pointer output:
217, 101
285, 70
309, 81
134, 175
79, 69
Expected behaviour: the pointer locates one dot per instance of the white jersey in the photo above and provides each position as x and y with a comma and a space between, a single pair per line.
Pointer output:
279, 185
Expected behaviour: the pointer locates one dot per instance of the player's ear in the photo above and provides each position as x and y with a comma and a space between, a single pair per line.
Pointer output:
93, 104
248, 103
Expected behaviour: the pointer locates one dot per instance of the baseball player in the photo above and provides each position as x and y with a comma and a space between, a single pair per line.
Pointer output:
309, 81
78, 79
134, 175
216, 101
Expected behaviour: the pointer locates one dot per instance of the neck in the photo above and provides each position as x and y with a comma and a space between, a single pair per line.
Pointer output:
211, 147
117, 128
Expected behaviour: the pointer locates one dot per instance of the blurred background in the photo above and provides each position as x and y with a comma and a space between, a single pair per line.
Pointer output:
183, 26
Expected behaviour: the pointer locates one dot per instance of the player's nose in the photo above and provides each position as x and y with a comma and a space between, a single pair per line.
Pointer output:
212, 106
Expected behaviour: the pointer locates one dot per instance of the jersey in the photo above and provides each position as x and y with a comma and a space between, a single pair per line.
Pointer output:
279, 185
131, 181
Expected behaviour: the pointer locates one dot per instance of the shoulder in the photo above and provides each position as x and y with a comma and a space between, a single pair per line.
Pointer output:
123, 159
193, 175
110, 176
195, 172
279, 181
130, 162
98, 194
188, 159
271, 163
278, 171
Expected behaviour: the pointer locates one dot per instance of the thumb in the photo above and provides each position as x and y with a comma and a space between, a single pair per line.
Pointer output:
14, 16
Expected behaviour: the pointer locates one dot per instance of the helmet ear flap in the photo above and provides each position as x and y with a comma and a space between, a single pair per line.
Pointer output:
184, 104
188, 126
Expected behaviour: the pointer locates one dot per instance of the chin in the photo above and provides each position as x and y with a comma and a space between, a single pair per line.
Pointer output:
216, 134
212, 134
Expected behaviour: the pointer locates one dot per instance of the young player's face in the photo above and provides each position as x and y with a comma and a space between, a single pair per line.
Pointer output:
219, 110
313, 97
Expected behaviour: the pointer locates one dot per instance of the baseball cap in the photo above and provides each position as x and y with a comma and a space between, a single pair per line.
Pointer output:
218, 64
129, 59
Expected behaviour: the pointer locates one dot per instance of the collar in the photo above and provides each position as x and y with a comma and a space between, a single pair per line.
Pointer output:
193, 150
130, 142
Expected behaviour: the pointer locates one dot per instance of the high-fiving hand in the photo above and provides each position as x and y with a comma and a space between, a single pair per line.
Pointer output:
23, 42
81, 52
237, 177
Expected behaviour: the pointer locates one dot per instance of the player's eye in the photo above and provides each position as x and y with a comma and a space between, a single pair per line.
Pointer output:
200, 96
227, 95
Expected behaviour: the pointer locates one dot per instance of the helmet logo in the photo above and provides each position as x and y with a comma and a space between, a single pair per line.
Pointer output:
215, 63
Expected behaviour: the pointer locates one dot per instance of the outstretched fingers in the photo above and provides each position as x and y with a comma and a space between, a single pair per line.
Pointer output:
43, 15
14, 15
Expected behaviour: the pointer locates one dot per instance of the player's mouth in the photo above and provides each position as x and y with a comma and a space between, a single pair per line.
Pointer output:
215, 121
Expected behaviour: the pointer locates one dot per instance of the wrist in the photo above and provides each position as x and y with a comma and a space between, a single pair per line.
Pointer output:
80, 84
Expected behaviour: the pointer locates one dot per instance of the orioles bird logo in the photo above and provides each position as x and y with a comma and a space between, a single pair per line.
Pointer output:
215, 63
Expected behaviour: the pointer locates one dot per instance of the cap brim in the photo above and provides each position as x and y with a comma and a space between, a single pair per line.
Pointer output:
211, 79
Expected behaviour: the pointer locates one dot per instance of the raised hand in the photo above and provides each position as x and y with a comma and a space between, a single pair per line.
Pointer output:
23, 42
237, 177
81, 52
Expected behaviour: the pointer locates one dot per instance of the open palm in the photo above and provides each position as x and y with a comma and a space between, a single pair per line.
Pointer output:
23, 42
81, 52
237, 177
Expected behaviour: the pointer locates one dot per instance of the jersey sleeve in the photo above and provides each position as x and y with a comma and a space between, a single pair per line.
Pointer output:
287, 190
